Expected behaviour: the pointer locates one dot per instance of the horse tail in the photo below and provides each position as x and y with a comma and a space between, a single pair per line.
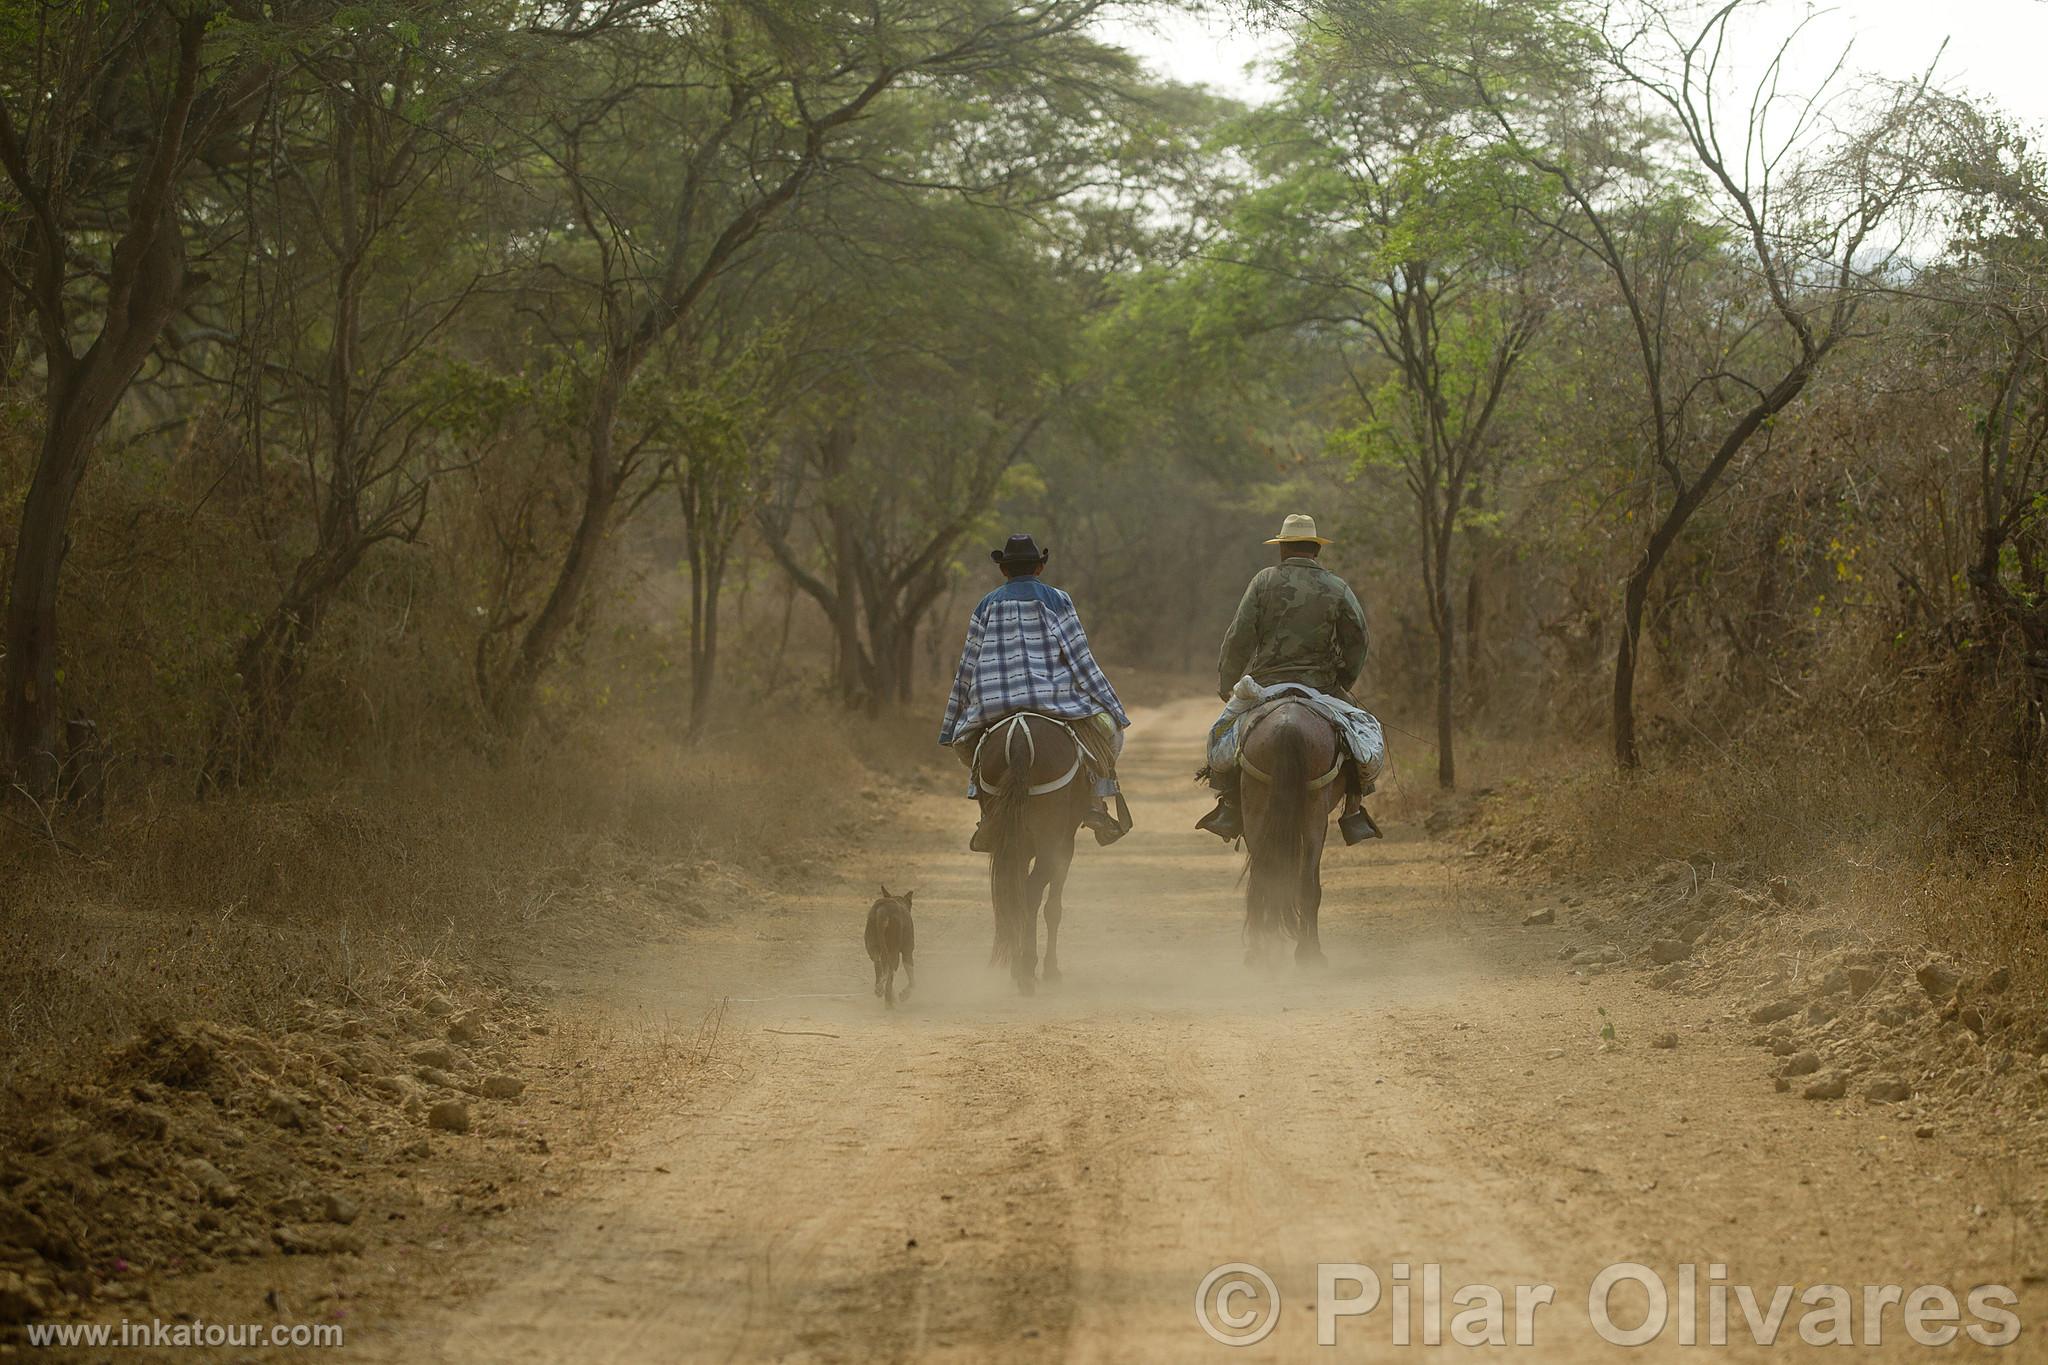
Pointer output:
1280, 843
1009, 850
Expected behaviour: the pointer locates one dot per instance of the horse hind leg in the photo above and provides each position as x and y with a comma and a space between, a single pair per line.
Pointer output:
1308, 952
1042, 888
1060, 862
1050, 972
1024, 934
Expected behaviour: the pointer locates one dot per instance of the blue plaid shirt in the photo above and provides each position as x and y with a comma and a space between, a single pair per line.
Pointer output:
1026, 651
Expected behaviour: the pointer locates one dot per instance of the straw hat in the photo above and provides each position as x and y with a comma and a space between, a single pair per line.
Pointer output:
1298, 526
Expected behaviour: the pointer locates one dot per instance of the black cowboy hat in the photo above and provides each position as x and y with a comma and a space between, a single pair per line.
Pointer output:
1020, 550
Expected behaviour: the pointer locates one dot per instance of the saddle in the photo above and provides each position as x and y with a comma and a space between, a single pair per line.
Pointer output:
1016, 718
1357, 826
1251, 721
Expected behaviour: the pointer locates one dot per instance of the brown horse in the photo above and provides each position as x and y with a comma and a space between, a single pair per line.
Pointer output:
1291, 768
1034, 790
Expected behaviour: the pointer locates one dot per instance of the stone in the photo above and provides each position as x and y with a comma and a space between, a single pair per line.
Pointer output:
20, 1228
437, 1005
21, 1300
436, 1055
466, 1027
398, 1089
214, 1185
1887, 1090
149, 1122
450, 1116
339, 1208
1801, 1064
1861, 978
503, 1087
435, 1078
1669, 950
1938, 978
1831, 1086
285, 1110
1600, 956
1665, 1041
1544, 916
314, 1240
1774, 1011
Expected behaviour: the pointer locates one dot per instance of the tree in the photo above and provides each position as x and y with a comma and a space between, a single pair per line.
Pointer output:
365, 242
1388, 223
1798, 215
105, 112
1984, 313
697, 133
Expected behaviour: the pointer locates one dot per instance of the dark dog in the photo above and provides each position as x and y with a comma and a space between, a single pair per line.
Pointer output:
892, 942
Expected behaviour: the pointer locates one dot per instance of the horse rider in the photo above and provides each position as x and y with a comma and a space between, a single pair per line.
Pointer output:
1297, 623
1026, 651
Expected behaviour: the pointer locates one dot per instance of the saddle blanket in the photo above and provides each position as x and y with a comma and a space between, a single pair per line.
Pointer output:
1357, 729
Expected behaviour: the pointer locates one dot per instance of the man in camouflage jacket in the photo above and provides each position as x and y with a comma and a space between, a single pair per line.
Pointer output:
1297, 623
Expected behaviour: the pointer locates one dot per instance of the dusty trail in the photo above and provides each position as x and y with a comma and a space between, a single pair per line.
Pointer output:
979, 1176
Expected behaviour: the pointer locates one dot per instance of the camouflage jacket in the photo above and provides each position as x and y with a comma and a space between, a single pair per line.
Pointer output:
1298, 623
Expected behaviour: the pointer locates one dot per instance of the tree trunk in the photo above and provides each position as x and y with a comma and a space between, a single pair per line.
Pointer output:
510, 700
1634, 595
704, 638
1446, 661
270, 664
31, 706
1637, 591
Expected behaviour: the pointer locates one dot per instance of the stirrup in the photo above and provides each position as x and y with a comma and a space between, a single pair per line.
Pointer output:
1224, 822
1357, 827
1108, 829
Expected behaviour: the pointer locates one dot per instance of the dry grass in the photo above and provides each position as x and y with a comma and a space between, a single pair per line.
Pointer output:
237, 909
1891, 843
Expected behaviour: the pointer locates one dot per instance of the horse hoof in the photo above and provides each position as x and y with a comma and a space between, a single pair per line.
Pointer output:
1050, 976
1308, 955
1026, 986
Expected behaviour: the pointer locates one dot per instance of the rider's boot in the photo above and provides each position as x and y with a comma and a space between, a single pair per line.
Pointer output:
1355, 825
1108, 828
1226, 822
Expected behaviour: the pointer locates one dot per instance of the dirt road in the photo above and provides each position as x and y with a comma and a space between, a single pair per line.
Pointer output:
979, 1176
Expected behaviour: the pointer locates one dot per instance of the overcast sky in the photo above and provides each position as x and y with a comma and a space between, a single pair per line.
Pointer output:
1995, 47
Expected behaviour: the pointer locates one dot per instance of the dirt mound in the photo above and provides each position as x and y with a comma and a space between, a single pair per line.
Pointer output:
1844, 1011
198, 1142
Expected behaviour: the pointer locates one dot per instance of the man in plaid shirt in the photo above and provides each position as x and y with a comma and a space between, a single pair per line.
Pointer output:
1026, 651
